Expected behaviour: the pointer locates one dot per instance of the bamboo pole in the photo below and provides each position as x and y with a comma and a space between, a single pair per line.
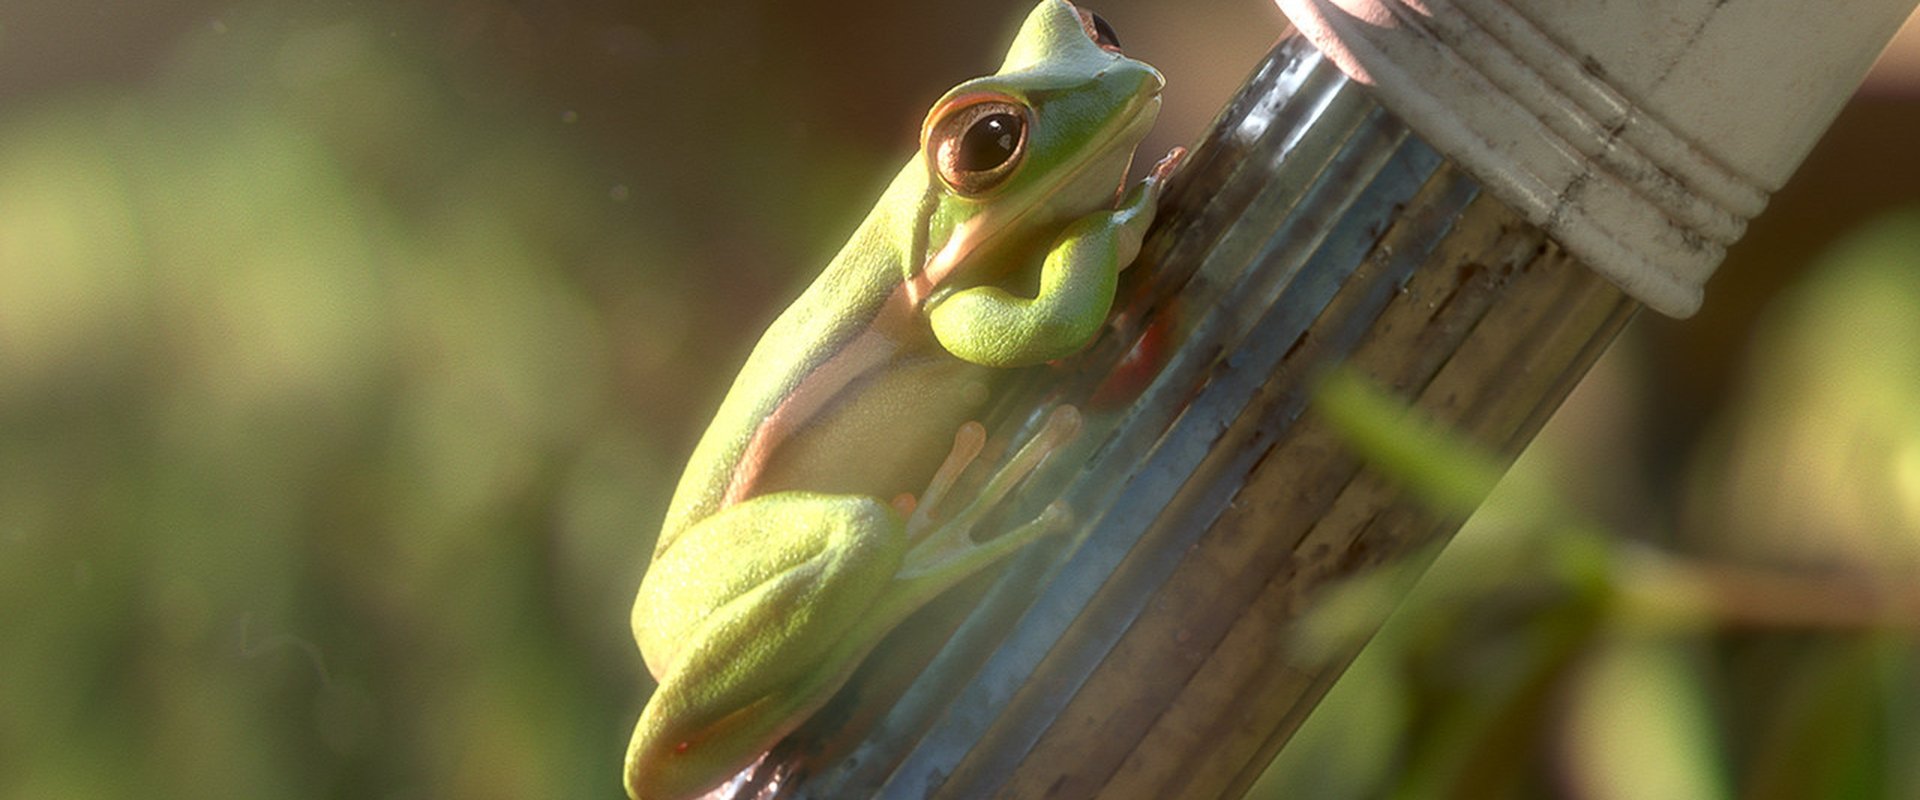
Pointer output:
1147, 655
1419, 281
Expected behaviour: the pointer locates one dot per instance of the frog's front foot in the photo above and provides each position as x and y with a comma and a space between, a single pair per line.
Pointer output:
1167, 164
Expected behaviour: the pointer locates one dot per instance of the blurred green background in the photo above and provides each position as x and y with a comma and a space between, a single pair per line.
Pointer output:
348, 353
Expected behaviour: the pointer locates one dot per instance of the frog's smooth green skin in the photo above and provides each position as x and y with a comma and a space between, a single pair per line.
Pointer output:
794, 541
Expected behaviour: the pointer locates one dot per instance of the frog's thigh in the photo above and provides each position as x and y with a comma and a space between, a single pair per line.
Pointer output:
750, 669
775, 548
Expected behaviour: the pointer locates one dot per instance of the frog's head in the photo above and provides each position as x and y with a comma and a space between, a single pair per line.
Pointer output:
1045, 140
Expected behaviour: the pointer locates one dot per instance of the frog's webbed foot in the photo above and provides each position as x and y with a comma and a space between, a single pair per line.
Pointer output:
1137, 207
1167, 164
936, 544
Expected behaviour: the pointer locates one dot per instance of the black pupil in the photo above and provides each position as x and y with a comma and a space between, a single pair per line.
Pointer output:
989, 142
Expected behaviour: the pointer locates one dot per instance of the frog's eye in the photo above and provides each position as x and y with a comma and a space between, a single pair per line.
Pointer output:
975, 146
1099, 31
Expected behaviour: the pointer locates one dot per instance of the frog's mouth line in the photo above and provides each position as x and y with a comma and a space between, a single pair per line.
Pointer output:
976, 233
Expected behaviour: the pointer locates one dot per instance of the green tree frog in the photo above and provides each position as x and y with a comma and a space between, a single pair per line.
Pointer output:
808, 523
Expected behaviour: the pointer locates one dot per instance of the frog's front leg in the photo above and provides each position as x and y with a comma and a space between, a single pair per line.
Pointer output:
991, 326
810, 583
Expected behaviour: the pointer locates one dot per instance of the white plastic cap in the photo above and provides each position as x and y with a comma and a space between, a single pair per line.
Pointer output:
1641, 136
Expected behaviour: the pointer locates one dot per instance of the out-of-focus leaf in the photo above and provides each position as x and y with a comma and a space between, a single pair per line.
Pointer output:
1447, 699
1436, 465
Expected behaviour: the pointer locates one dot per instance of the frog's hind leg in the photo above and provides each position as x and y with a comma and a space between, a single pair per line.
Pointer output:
778, 630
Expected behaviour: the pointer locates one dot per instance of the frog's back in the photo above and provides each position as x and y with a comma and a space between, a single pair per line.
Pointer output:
823, 322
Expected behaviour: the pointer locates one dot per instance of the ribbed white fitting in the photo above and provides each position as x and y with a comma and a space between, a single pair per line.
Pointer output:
1641, 136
